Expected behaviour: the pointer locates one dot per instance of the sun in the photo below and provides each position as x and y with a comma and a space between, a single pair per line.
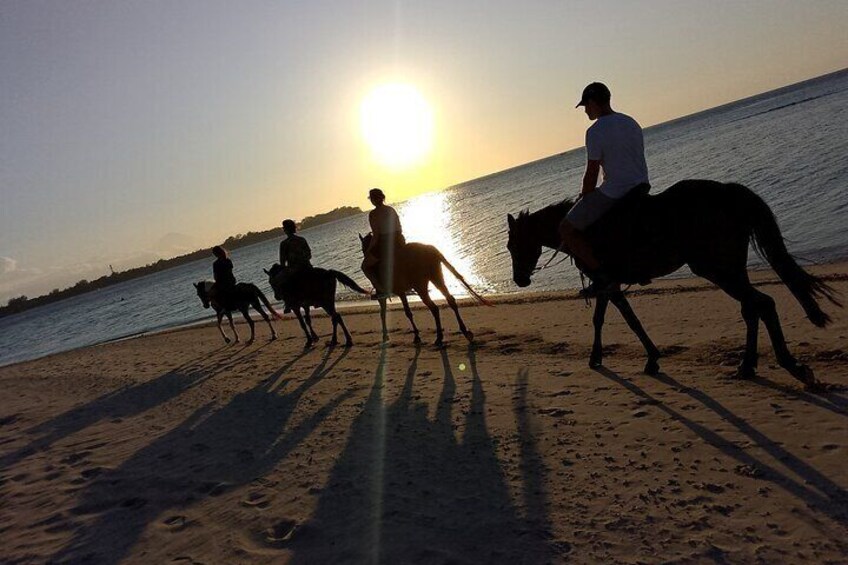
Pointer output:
397, 124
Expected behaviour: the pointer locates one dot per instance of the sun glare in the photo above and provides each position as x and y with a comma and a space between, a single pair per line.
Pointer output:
397, 124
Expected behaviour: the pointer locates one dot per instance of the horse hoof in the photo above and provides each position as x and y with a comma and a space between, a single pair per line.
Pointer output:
273, 337
469, 336
248, 342
595, 361
652, 368
804, 374
745, 373
332, 343
227, 340
416, 339
348, 343
385, 338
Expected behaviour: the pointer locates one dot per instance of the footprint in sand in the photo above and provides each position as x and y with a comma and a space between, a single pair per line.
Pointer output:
256, 500
281, 532
174, 523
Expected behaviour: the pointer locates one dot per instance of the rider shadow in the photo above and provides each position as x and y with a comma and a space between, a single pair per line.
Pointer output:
211, 453
812, 484
125, 402
407, 489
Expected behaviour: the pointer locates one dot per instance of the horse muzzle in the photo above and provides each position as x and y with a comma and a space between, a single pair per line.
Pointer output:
523, 282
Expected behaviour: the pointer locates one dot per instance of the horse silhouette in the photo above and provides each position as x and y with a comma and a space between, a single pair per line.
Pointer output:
415, 266
241, 298
704, 224
313, 287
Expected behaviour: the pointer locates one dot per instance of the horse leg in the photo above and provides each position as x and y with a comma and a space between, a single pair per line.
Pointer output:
382, 302
748, 368
233, 326
597, 355
246, 313
758, 305
299, 316
220, 329
439, 283
308, 317
405, 301
652, 367
331, 312
425, 298
258, 307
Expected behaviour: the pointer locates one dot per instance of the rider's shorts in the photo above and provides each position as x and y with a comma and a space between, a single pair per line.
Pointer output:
589, 209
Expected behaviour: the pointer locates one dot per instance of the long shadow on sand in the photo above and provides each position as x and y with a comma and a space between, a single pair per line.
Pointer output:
817, 491
406, 489
125, 402
212, 452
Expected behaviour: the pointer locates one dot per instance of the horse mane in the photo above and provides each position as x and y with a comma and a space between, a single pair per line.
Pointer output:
558, 209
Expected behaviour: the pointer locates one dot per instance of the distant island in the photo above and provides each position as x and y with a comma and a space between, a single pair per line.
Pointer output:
21, 303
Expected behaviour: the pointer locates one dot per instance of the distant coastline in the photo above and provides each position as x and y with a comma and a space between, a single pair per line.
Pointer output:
22, 303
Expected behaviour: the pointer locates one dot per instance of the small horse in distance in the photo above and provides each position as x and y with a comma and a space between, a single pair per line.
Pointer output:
313, 287
704, 224
244, 296
416, 266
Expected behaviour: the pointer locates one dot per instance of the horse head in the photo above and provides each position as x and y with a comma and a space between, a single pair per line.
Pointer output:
365, 241
273, 279
202, 292
524, 248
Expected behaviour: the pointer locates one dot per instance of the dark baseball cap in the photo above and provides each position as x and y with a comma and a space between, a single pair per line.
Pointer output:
596, 91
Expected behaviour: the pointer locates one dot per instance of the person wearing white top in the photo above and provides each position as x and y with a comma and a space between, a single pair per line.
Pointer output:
614, 145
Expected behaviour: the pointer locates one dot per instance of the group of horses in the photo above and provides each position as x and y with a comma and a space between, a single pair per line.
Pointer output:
704, 224
413, 269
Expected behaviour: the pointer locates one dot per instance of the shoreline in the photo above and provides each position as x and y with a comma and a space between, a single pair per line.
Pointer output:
763, 276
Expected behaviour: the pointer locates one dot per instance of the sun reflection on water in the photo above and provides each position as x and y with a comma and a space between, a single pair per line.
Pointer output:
429, 219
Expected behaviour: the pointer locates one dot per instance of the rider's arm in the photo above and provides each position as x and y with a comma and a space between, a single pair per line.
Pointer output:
590, 177
307, 250
375, 230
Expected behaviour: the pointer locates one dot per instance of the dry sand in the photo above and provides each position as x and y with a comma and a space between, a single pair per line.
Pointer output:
173, 448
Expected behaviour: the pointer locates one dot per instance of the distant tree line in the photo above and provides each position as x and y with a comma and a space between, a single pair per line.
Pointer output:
21, 303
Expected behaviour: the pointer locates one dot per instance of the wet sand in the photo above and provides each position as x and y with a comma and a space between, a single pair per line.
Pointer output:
174, 448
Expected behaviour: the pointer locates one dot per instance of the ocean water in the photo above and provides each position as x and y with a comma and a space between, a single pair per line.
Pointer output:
788, 145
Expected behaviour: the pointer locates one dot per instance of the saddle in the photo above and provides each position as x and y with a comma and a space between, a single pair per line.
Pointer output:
625, 235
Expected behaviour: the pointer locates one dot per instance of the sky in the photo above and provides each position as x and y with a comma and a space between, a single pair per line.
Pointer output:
131, 131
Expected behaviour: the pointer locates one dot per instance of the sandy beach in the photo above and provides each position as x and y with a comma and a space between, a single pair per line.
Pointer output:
174, 448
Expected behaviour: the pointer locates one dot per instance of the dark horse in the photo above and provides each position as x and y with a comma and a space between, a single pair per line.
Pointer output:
416, 266
242, 298
313, 287
702, 223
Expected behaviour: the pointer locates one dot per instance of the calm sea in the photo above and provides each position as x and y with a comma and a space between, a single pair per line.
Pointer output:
788, 145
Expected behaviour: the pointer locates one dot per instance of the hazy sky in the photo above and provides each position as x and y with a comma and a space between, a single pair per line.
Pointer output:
130, 130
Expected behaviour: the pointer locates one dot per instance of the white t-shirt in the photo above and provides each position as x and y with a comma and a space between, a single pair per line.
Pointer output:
616, 141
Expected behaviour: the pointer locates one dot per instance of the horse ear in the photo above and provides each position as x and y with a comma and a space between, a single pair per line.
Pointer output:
510, 220
361, 239
195, 285
266, 271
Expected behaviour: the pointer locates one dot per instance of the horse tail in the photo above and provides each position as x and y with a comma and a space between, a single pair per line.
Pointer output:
769, 244
467, 286
267, 304
347, 281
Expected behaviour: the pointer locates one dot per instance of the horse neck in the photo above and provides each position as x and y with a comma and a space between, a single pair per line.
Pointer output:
546, 224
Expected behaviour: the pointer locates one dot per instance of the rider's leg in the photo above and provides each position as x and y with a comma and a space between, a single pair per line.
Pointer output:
585, 212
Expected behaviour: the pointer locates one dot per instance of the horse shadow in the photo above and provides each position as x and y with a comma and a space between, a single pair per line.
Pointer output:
407, 488
209, 454
125, 402
812, 487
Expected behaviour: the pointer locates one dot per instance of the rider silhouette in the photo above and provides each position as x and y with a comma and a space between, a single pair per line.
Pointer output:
295, 255
615, 144
222, 272
387, 239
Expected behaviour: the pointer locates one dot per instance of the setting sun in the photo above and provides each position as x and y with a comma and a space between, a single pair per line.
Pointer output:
397, 124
